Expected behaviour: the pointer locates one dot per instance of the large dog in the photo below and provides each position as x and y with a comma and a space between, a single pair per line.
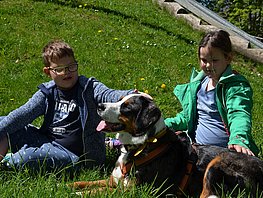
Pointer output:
167, 158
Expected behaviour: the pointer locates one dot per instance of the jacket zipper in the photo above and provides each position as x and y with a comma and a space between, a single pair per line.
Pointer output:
85, 119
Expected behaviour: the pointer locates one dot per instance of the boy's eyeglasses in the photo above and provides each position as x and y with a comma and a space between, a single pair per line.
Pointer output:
62, 69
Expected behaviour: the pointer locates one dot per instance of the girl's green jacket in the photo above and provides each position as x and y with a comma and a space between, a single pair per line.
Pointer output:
234, 102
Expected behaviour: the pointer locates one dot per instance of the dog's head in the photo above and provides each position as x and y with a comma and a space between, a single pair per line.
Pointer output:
135, 118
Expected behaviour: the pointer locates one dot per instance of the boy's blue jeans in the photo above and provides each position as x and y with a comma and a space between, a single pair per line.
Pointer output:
34, 150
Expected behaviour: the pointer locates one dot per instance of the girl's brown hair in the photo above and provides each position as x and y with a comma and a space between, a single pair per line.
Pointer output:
218, 39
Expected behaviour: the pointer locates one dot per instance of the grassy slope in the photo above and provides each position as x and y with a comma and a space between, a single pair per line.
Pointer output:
125, 44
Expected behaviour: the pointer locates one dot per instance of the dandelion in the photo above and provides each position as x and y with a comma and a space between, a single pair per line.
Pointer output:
146, 91
142, 79
99, 31
163, 86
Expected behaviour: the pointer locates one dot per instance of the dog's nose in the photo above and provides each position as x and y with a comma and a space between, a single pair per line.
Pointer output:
101, 107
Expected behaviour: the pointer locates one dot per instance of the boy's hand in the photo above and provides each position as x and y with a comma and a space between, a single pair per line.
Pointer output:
144, 94
240, 149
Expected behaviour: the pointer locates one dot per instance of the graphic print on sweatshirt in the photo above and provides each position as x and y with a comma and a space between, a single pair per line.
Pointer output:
66, 117
66, 126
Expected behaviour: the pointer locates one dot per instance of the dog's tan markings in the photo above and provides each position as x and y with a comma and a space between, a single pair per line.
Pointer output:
85, 184
206, 192
99, 185
121, 98
127, 102
129, 123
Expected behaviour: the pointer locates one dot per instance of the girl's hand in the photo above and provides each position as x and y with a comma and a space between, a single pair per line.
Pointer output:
240, 149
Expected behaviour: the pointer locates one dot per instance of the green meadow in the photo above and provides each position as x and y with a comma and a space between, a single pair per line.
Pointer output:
129, 44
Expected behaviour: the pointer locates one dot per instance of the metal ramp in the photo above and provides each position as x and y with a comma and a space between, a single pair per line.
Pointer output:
194, 13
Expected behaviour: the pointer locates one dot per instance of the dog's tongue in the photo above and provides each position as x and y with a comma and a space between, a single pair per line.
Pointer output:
101, 126
109, 127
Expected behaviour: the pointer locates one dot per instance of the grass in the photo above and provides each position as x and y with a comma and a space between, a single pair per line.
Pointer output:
125, 44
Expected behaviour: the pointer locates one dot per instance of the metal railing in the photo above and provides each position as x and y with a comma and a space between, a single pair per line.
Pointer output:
216, 20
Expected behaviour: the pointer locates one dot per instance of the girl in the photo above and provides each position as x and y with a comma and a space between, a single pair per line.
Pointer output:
217, 102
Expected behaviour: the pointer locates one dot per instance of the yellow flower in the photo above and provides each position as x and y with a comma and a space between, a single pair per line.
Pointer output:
146, 91
99, 31
142, 79
163, 86
115, 39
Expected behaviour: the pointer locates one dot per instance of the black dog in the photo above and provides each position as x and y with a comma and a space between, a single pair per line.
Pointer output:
159, 155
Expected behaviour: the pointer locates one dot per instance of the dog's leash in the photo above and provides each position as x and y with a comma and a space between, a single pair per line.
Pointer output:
188, 172
125, 168
138, 162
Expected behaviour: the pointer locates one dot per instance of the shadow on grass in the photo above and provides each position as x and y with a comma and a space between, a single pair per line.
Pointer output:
76, 3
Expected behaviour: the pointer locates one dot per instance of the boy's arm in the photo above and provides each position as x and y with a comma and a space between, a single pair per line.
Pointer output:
104, 94
23, 115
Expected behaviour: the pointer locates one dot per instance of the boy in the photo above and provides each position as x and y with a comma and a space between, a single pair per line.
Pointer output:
69, 104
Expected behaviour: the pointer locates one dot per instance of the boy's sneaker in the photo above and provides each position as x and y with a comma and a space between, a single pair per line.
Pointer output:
112, 143
4, 165
6, 158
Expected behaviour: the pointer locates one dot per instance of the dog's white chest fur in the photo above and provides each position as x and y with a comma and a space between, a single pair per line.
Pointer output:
117, 171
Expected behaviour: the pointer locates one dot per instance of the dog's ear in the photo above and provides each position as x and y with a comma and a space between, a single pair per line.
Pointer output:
149, 114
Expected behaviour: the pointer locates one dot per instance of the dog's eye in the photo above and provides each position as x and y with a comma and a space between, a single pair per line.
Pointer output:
126, 108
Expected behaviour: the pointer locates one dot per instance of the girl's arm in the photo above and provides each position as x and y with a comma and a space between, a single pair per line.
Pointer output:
239, 109
178, 123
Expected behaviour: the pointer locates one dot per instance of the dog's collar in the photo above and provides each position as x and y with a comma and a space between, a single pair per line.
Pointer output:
150, 140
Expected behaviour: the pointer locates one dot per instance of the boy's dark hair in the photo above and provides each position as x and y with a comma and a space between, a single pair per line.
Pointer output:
55, 50
218, 39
